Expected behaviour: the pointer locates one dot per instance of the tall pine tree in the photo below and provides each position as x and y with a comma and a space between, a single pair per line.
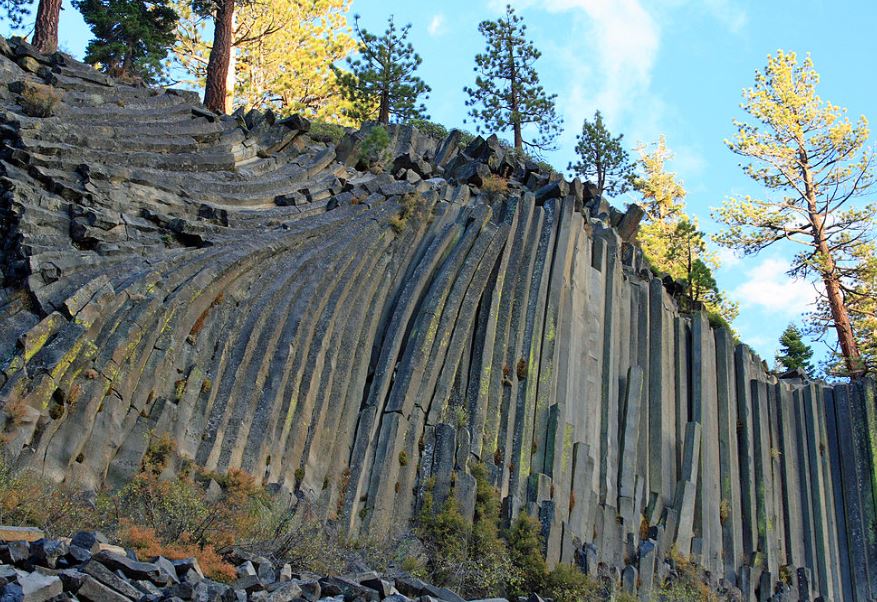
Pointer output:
45, 37
381, 83
507, 93
815, 162
602, 159
131, 37
794, 353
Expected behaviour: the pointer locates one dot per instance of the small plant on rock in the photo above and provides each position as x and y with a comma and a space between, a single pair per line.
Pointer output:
494, 186
373, 148
38, 100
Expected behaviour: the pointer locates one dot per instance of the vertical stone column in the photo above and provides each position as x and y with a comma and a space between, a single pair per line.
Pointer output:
661, 398
746, 449
845, 554
704, 410
729, 510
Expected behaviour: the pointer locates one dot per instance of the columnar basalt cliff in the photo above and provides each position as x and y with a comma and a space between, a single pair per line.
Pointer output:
358, 336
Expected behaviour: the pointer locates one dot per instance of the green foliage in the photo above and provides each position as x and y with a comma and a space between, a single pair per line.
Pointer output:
445, 536
131, 37
323, 131
794, 353
434, 130
566, 583
381, 84
602, 159
373, 148
525, 552
507, 93
687, 585
16, 11
671, 240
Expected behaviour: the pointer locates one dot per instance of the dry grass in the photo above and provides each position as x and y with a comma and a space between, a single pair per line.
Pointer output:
38, 100
494, 185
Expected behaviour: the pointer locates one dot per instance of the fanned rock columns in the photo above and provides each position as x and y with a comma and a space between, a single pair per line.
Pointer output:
361, 333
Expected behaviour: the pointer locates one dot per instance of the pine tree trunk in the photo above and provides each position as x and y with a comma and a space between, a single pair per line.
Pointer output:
216, 88
848, 346
839, 314
45, 37
384, 112
231, 74
513, 86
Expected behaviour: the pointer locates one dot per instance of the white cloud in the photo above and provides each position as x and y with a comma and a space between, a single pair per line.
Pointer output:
728, 258
609, 58
436, 25
769, 288
733, 17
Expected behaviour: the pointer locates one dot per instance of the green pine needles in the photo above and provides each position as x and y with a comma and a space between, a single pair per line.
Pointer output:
131, 37
381, 84
507, 93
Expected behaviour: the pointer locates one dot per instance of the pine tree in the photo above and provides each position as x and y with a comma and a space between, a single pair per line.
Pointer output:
282, 52
381, 83
218, 90
45, 37
507, 93
602, 159
290, 69
671, 240
860, 289
794, 353
131, 37
814, 159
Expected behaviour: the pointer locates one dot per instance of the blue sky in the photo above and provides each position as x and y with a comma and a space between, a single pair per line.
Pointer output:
672, 67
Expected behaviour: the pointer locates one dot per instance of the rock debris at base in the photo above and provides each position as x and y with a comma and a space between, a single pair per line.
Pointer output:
79, 569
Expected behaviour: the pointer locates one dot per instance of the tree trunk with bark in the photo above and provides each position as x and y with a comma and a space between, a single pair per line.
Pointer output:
45, 37
830, 278
216, 88
513, 86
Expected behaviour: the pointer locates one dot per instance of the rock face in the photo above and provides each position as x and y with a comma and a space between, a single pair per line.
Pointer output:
358, 335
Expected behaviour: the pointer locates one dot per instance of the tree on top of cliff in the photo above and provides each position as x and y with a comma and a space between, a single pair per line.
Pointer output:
381, 82
670, 239
808, 152
794, 353
507, 92
281, 55
45, 28
602, 159
131, 37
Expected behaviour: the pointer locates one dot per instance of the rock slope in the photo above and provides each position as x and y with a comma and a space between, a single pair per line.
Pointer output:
358, 336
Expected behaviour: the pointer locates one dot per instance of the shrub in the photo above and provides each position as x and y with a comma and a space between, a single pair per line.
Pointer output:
429, 128
330, 133
28, 499
146, 543
521, 369
494, 185
490, 569
525, 552
38, 100
566, 583
373, 148
686, 583
409, 204
445, 536
458, 416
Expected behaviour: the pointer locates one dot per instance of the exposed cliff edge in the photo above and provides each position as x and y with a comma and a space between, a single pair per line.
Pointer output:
356, 337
